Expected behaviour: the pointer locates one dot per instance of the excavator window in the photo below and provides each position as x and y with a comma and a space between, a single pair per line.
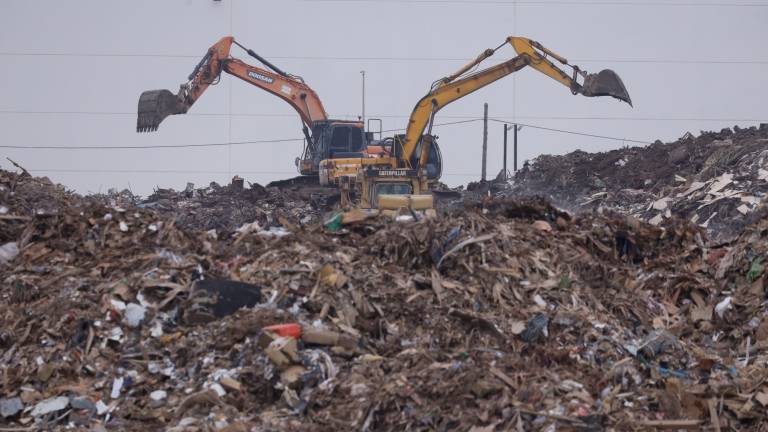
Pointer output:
345, 139
434, 165
377, 189
393, 189
340, 139
355, 139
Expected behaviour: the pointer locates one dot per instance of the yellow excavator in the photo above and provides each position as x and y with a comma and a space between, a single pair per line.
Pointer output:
402, 177
325, 138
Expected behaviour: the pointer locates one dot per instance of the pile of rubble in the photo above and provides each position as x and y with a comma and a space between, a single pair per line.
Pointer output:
716, 180
505, 315
225, 208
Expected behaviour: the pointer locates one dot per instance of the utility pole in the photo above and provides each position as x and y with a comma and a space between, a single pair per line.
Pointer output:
362, 72
506, 128
517, 128
485, 138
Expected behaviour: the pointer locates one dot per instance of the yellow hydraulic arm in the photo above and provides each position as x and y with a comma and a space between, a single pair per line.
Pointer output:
456, 86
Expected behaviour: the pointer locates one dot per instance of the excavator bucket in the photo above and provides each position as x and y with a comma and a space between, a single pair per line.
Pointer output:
154, 106
605, 83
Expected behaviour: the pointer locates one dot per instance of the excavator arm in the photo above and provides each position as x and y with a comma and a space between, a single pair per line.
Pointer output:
156, 105
458, 85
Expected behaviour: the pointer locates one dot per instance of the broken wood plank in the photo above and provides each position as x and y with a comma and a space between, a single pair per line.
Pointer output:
437, 286
712, 404
671, 424
14, 217
572, 420
503, 377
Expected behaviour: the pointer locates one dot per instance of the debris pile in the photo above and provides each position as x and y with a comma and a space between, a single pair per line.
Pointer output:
716, 180
506, 315
226, 208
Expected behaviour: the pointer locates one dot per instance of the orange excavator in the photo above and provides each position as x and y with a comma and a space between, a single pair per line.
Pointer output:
325, 138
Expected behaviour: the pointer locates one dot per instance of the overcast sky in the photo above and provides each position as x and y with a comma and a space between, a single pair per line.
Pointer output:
72, 72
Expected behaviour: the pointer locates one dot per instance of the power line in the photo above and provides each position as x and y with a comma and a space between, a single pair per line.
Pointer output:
551, 3
148, 171
675, 61
134, 113
301, 139
162, 146
383, 58
504, 116
292, 115
72, 54
440, 124
677, 119
572, 132
169, 171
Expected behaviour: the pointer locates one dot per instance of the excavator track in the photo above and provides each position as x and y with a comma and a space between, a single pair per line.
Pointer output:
308, 187
298, 181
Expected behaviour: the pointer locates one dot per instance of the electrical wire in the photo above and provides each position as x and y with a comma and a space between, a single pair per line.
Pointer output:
677, 119
291, 115
378, 58
550, 3
166, 146
572, 132
169, 171
162, 146
133, 113
438, 124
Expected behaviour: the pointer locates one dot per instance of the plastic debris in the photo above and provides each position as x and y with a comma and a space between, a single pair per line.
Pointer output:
656, 342
134, 314
723, 306
117, 386
536, 328
10, 407
158, 395
101, 408
50, 405
8, 252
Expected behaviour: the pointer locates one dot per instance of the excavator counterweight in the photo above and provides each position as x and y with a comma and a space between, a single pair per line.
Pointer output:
154, 106
605, 83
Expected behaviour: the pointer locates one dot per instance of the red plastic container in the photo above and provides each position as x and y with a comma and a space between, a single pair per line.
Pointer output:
290, 330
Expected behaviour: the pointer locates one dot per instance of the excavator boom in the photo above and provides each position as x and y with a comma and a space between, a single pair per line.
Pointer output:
603, 83
529, 53
324, 138
156, 105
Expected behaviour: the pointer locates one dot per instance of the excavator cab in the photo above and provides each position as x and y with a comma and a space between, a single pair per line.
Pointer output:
433, 169
333, 139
